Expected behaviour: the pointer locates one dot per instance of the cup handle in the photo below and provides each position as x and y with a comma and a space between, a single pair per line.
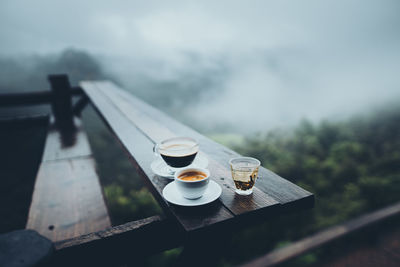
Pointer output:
155, 150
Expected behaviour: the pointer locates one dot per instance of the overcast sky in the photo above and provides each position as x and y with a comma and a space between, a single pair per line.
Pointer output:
279, 61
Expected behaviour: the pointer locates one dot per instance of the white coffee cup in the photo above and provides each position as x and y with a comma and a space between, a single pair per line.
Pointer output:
192, 189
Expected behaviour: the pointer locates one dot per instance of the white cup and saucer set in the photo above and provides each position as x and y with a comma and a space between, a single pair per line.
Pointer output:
179, 158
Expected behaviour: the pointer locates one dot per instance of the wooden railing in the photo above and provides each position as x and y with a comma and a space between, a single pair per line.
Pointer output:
33, 98
325, 237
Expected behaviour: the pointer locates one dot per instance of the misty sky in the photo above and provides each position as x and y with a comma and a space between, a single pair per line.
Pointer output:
270, 62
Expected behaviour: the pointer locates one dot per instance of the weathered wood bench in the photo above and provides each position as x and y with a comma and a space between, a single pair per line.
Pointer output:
67, 201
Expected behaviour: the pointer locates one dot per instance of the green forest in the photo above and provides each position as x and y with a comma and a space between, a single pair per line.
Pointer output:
351, 166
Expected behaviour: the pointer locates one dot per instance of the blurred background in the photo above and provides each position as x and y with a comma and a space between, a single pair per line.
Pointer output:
311, 88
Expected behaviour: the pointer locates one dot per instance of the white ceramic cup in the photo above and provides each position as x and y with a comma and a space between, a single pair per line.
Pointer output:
192, 189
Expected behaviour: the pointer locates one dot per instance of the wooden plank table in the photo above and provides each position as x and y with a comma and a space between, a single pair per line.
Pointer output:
67, 201
138, 126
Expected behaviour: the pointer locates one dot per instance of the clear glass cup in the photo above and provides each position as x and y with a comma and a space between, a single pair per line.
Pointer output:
177, 152
244, 173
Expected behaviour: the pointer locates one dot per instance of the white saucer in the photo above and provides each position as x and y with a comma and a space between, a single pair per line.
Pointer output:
159, 167
171, 194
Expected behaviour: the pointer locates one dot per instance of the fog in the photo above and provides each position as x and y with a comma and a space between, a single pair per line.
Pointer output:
239, 65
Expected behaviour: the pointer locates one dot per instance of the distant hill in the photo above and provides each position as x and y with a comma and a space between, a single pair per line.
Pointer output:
29, 73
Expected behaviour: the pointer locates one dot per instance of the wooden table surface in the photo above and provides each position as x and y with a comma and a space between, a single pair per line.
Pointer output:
138, 126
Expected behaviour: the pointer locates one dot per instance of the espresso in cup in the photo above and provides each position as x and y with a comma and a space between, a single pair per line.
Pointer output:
178, 152
192, 182
193, 175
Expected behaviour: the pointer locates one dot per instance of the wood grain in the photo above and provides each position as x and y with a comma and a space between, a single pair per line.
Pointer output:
67, 201
280, 189
107, 233
66, 145
157, 132
23, 122
32, 98
61, 104
119, 245
139, 126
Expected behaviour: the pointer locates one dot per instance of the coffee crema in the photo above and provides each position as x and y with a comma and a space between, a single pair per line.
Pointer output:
192, 176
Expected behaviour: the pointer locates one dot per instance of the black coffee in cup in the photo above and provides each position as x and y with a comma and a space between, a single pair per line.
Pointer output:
177, 155
178, 152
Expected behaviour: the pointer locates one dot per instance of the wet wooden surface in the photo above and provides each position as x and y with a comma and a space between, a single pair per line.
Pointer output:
138, 126
67, 200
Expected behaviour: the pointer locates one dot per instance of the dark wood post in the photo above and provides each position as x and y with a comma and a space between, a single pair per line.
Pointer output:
62, 103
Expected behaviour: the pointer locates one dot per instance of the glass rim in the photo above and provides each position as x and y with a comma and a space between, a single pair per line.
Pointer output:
196, 144
256, 161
